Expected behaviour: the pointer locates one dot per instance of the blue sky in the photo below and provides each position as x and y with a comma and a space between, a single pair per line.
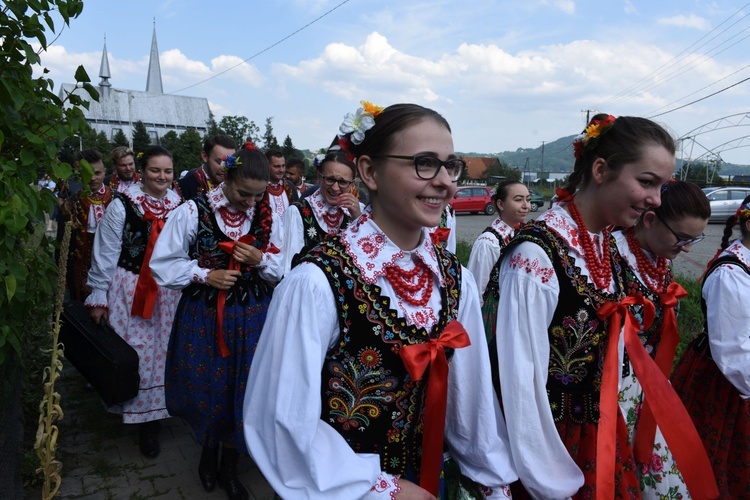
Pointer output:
506, 74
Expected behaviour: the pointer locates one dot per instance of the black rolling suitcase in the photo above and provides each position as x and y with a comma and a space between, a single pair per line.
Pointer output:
105, 360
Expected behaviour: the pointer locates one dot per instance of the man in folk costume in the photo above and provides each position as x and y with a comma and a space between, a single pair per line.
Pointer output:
85, 209
281, 191
209, 175
295, 173
124, 175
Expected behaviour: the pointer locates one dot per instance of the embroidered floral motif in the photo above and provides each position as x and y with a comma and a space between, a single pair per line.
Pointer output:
518, 261
568, 360
362, 390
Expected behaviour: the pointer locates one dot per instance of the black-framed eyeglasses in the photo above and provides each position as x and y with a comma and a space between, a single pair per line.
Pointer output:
428, 167
330, 181
681, 240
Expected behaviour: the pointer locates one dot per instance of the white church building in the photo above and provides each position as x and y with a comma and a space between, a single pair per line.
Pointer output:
119, 109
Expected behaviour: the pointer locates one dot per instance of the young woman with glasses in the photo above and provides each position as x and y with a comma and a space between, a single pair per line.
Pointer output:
562, 303
713, 376
325, 212
647, 250
339, 405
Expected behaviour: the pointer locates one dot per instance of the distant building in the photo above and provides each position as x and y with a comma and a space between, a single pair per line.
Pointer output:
478, 166
119, 109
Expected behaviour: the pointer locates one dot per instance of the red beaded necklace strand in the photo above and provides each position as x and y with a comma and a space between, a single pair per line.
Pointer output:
404, 285
333, 220
232, 219
600, 271
653, 275
275, 189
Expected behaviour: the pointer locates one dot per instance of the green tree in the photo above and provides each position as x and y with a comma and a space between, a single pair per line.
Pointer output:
141, 139
188, 153
289, 150
171, 141
502, 170
235, 126
33, 123
120, 139
253, 133
88, 139
212, 128
269, 140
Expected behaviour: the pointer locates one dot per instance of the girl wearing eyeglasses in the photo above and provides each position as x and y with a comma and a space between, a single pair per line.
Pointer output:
713, 376
329, 209
562, 304
222, 250
355, 394
647, 250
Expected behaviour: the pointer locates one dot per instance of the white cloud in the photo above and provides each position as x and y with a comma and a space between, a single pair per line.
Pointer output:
630, 8
691, 21
567, 6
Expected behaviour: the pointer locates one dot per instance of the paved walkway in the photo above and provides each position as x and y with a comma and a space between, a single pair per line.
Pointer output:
101, 458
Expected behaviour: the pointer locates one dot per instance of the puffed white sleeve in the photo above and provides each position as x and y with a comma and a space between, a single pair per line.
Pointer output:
171, 264
300, 455
728, 318
271, 264
475, 428
294, 238
105, 253
484, 255
525, 311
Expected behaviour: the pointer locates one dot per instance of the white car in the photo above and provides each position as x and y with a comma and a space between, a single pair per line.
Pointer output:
725, 201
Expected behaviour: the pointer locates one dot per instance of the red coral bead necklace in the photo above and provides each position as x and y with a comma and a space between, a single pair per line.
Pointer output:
403, 282
600, 271
654, 276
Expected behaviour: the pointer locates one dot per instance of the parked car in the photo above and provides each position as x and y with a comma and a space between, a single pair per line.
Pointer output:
725, 201
473, 199
537, 200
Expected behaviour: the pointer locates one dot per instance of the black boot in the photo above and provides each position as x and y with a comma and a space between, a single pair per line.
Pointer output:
207, 469
149, 444
228, 479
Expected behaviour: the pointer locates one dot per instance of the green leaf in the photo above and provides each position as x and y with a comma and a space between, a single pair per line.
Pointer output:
92, 91
50, 23
32, 137
61, 170
27, 158
10, 286
81, 75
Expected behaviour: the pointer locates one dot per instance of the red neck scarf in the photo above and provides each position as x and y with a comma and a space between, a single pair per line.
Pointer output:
146, 289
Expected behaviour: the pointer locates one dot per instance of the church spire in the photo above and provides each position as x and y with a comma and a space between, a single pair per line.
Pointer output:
104, 73
153, 81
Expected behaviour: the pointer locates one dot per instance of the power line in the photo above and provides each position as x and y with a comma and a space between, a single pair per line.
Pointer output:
262, 51
701, 99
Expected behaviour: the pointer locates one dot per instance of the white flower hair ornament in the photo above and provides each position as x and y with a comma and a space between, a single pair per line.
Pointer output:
354, 127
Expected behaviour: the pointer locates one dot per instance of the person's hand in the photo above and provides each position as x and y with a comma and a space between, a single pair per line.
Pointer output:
247, 254
410, 491
223, 279
98, 314
350, 203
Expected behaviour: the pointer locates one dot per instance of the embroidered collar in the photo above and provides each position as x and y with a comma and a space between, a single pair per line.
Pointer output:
740, 251
217, 199
503, 229
320, 206
372, 251
170, 201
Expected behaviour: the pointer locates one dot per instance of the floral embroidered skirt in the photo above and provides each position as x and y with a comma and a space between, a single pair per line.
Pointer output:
720, 415
149, 338
660, 478
204, 388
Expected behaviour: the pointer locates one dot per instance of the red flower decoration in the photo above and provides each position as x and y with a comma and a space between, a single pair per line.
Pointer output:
249, 145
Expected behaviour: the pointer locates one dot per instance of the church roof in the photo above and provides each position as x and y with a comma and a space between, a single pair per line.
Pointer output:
153, 80
157, 110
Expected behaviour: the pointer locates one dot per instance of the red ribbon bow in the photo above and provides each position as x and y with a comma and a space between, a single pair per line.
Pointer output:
146, 289
440, 235
563, 195
669, 412
417, 358
228, 247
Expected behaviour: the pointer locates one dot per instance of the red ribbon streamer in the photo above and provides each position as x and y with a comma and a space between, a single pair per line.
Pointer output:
146, 289
563, 195
669, 412
417, 358
644, 438
228, 247
440, 235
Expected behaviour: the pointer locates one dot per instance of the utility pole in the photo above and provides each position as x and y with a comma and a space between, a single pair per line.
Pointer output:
588, 116
526, 171
542, 156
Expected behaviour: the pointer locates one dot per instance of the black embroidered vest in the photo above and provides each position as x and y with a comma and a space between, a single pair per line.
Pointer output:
492, 292
209, 255
367, 394
577, 337
314, 234
135, 236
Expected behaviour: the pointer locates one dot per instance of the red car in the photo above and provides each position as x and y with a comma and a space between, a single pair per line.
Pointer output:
473, 199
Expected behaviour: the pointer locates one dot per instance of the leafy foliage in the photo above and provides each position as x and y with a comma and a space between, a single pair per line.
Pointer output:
269, 140
120, 139
141, 139
240, 128
502, 169
33, 124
